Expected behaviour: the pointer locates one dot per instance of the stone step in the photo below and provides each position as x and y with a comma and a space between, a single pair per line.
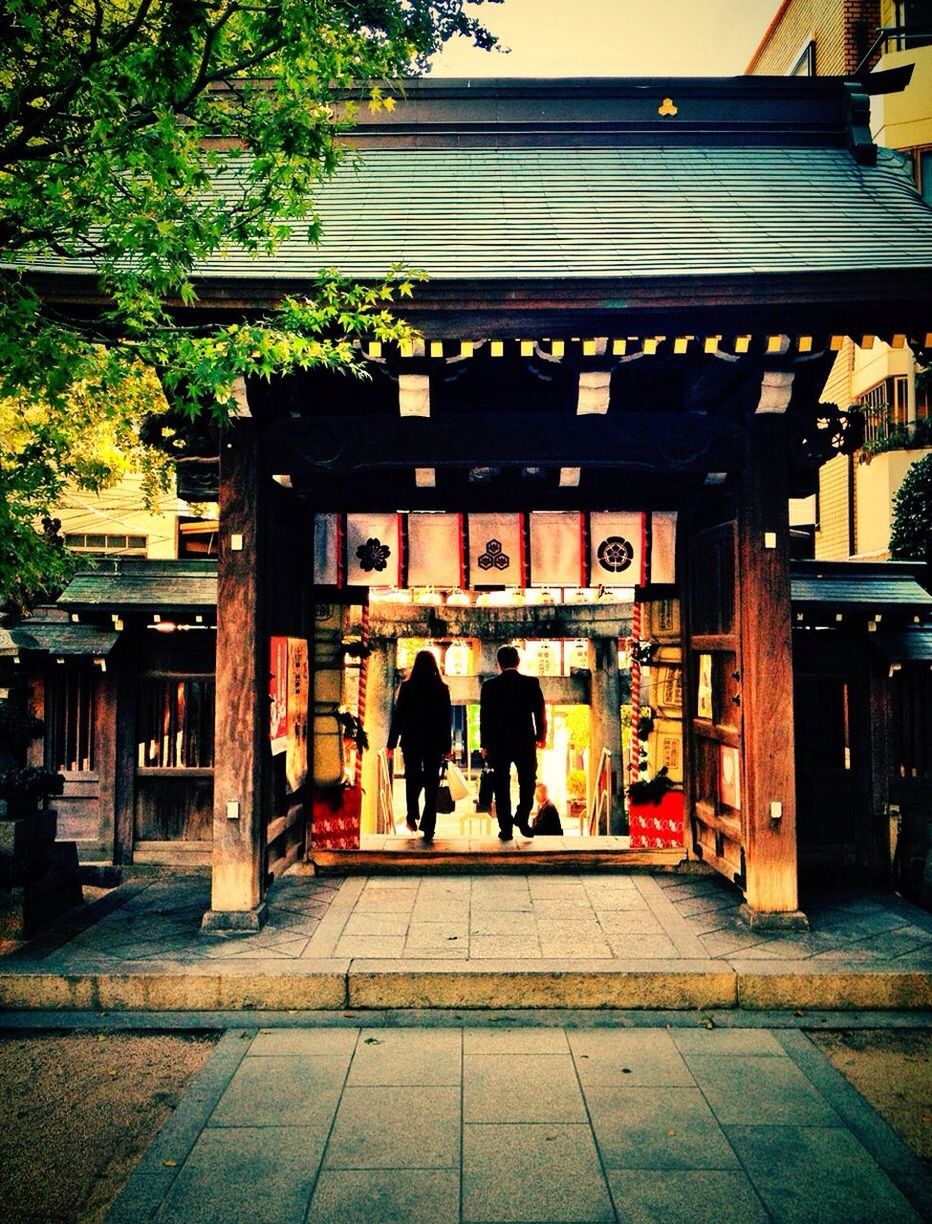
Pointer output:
366, 985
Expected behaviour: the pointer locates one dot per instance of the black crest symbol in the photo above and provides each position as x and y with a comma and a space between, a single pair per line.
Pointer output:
494, 556
615, 554
373, 555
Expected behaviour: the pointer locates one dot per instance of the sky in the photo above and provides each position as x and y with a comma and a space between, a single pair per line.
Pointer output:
662, 38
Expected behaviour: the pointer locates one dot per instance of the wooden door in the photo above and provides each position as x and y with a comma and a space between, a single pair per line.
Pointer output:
826, 795
911, 780
713, 722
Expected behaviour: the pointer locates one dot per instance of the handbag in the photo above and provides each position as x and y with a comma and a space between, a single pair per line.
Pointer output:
445, 801
486, 790
456, 779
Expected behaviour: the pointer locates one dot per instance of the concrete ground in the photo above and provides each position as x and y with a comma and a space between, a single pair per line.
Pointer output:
341, 1108
567, 939
563, 1122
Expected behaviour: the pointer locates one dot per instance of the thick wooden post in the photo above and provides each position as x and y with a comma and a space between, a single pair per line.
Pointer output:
241, 723
124, 763
769, 781
105, 761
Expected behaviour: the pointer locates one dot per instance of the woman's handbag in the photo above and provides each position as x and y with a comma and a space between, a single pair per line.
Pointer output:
486, 790
445, 801
459, 787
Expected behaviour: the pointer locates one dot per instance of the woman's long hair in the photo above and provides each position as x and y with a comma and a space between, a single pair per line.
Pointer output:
425, 673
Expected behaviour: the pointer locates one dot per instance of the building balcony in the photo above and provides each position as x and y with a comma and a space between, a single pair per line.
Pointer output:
896, 417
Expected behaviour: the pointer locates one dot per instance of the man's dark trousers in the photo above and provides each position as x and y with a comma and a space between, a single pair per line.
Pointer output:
525, 762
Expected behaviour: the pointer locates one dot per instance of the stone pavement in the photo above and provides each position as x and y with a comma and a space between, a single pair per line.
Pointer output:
568, 939
369, 1125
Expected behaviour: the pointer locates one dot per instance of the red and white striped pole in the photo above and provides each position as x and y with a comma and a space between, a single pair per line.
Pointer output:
363, 677
635, 761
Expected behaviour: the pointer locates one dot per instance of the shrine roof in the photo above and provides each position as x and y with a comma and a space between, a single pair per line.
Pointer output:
138, 583
50, 631
591, 180
462, 214
907, 646
872, 586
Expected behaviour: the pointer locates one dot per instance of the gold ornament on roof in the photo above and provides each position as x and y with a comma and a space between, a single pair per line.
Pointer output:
666, 107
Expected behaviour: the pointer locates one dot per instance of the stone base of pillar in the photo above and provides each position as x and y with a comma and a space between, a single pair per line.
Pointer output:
787, 920
236, 920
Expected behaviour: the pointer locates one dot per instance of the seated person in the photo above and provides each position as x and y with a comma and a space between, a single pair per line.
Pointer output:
547, 821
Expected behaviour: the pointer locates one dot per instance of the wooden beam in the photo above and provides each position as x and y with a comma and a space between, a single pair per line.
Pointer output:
661, 441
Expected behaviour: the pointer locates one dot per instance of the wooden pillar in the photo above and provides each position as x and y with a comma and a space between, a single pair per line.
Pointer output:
380, 685
125, 747
241, 721
105, 763
605, 715
769, 774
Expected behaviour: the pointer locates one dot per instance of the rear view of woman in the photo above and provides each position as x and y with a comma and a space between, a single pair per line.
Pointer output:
421, 723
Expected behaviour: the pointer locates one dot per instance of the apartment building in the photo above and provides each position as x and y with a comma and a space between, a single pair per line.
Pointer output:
852, 512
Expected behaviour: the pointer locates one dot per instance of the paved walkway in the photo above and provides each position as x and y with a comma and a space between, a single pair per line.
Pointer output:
504, 940
677, 1125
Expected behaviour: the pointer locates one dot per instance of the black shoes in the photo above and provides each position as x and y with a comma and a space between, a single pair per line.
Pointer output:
411, 824
523, 828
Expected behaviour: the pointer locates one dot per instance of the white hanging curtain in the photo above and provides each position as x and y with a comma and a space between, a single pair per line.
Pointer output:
435, 550
372, 550
617, 548
325, 549
557, 548
496, 550
663, 546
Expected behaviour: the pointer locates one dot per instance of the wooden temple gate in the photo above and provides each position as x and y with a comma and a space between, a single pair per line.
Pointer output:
636, 291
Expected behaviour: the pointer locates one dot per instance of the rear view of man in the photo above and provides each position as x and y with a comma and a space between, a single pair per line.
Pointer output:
512, 725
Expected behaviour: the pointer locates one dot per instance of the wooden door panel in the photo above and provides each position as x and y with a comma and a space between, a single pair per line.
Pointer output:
715, 720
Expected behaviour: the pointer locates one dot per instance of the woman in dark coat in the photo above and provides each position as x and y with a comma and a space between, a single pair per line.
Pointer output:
421, 722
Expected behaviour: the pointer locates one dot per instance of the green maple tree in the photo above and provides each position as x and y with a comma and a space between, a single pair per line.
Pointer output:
117, 119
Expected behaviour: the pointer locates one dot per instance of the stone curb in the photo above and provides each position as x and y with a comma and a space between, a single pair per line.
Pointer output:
152, 1177
516, 984
779, 985
332, 985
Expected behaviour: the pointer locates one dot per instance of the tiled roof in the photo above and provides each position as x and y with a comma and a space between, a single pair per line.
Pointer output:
623, 211
908, 646
868, 585
138, 583
64, 639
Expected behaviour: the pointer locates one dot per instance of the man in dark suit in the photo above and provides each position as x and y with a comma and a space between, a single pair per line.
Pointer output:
512, 725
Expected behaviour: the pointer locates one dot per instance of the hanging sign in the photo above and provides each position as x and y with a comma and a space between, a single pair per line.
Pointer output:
557, 548
372, 550
366, 549
458, 660
435, 550
663, 546
278, 694
296, 715
617, 550
496, 550
325, 549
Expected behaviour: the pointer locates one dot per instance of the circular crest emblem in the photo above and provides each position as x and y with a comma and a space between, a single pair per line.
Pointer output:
615, 554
